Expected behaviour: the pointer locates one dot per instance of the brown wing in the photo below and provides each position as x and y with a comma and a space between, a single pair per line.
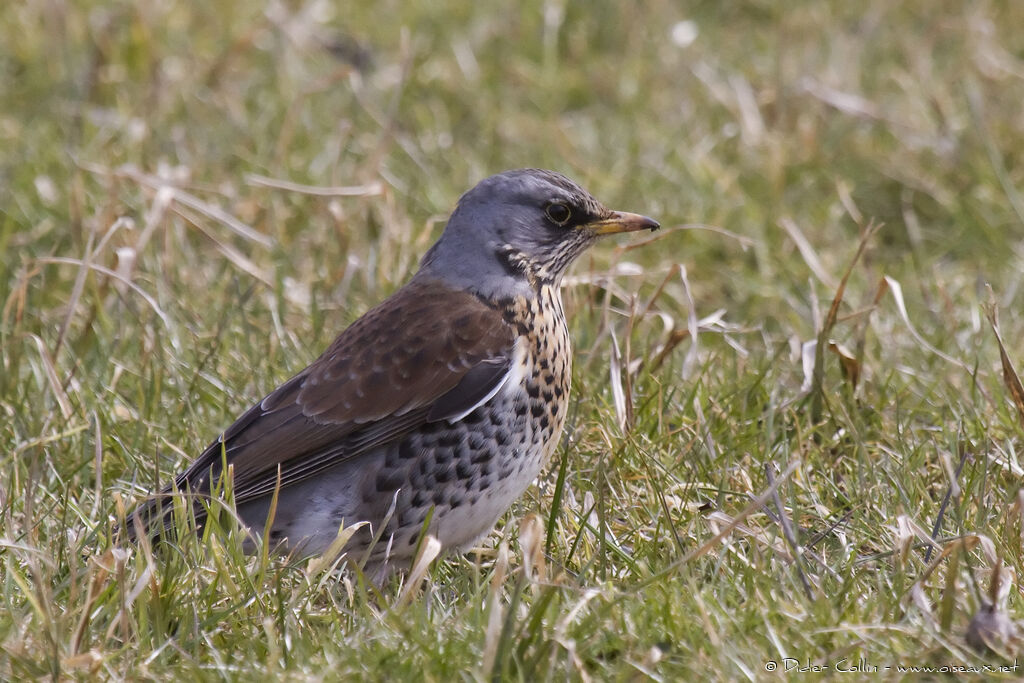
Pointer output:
426, 353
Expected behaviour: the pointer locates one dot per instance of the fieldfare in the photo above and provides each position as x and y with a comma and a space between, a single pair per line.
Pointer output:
445, 401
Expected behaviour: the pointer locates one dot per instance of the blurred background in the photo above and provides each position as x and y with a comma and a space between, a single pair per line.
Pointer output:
736, 115
196, 197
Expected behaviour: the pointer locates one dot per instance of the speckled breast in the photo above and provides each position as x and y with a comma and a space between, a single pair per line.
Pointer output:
545, 364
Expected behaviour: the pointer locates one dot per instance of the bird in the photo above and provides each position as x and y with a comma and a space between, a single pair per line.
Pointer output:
435, 410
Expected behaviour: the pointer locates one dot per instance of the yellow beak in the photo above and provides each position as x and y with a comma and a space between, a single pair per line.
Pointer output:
621, 221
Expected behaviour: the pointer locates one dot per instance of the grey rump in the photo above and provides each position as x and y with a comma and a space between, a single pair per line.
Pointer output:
447, 399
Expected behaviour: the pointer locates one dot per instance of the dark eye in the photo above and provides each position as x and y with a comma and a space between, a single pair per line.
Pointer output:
559, 213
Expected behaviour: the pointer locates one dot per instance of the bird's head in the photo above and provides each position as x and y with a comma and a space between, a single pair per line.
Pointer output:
522, 228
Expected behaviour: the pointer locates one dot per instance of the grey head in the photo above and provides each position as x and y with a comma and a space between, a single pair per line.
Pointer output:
519, 230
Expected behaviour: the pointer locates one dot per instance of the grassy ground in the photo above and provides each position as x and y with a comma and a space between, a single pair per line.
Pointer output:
159, 271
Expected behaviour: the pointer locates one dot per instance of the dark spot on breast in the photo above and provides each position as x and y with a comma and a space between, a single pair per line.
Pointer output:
444, 474
554, 409
537, 410
463, 470
533, 390
406, 450
445, 456
544, 421
450, 438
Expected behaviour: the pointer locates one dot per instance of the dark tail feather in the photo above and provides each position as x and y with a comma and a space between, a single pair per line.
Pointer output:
153, 518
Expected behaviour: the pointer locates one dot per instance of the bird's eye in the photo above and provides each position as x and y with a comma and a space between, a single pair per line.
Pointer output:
559, 213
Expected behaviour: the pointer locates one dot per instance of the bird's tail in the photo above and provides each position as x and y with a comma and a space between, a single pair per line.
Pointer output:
156, 518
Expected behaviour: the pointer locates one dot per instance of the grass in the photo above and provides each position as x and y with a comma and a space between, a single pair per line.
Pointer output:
727, 508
